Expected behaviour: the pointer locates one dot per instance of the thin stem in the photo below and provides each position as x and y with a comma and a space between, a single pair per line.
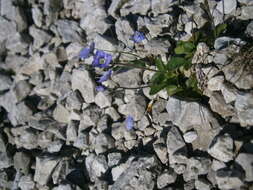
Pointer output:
135, 66
120, 52
139, 87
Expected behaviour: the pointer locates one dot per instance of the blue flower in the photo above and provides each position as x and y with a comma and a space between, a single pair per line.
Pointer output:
105, 76
100, 88
85, 52
129, 122
101, 59
138, 37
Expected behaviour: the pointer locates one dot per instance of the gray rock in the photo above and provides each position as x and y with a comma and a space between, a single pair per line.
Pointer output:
82, 81
135, 108
144, 178
103, 143
245, 160
114, 158
229, 93
63, 187
112, 112
244, 108
105, 43
44, 169
119, 131
229, 178
21, 90
174, 140
61, 114
69, 31
222, 148
17, 44
247, 12
26, 183
37, 16
5, 82
141, 7
202, 184
6, 28
215, 83
219, 105
160, 7
249, 29
71, 132
196, 166
60, 172
188, 115
190, 136
246, 2
114, 6
223, 42
143, 123
82, 141
40, 37
229, 6
103, 100
5, 160
160, 149
157, 47
22, 162
166, 178
96, 166
55, 146
7, 9
124, 31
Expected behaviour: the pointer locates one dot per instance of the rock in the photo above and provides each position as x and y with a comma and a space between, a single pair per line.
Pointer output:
188, 115
229, 6
141, 7
112, 112
37, 16
157, 47
63, 187
215, 83
220, 58
135, 108
21, 90
229, 93
245, 160
144, 178
219, 105
61, 114
114, 158
174, 140
196, 166
5, 160
216, 165
166, 178
105, 43
222, 148
229, 178
26, 183
73, 49
247, 12
71, 132
69, 31
40, 37
249, 30
114, 6
22, 162
5, 82
246, 2
120, 131
82, 81
60, 172
103, 100
55, 146
202, 184
223, 42
6, 28
44, 169
124, 31
96, 166
160, 7
160, 149
103, 143
244, 108
18, 43
190, 136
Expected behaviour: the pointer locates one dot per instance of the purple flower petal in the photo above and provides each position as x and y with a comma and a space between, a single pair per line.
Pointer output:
129, 122
138, 37
100, 88
85, 52
105, 76
103, 57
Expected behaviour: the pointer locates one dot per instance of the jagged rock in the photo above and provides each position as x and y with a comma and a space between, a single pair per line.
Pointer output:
6, 28
112, 112
71, 132
120, 131
249, 29
160, 7
244, 108
229, 178
157, 47
245, 160
190, 136
246, 2
223, 42
5, 82
114, 6
222, 148
82, 81
188, 115
135, 108
196, 166
69, 31
229, 6
21, 162
166, 178
105, 43
114, 158
202, 184
40, 37
174, 140
26, 183
37, 16
229, 93
103, 143
141, 7
60, 172
55, 146
44, 169
5, 160
128, 178
63, 187
215, 83
247, 12
103, 100
61, 114
21, 90
18, 44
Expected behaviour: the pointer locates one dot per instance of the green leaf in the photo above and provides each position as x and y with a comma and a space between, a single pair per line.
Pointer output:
177, 62
188, 46
156, 88
138, 62
192, 82
219, 29
160, 65
158, 77
179, 49
173, 89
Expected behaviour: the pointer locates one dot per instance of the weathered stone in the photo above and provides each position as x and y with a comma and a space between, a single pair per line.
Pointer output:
21, 162
82, 81
18, 44
190, 136
44, 168
222, 148
166, 178
61, 114
21, 90
245, 160
103, 100
103, 143
37, 16
5, 82
40, 37
6, 28
114, 158
215, 83
26, 183
174, 140
71, 132
140, 7
247, 12
5, 160
202, 184
229, 6
160, 7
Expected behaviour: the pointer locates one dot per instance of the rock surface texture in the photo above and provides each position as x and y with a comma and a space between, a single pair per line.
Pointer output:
66, 125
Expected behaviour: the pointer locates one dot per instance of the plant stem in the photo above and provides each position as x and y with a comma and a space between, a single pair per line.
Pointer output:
120, 52
135, 66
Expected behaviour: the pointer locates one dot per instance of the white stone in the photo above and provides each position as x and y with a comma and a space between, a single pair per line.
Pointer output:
229, 6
